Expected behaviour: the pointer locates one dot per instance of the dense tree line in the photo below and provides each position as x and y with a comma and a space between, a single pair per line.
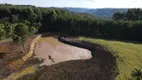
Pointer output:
28, 19
33, 17
131, 14
18, 31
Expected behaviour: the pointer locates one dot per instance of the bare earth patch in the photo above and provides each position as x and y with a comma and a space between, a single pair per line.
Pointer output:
11, 61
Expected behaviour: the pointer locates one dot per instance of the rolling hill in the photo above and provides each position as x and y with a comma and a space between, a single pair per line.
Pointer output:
104, 13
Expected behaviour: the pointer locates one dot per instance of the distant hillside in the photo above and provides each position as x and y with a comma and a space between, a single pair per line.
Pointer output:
77, 9
105, 13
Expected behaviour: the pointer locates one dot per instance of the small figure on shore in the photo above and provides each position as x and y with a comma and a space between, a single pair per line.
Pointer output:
51, 58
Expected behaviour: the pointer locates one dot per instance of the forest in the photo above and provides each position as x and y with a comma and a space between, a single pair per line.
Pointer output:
20, 21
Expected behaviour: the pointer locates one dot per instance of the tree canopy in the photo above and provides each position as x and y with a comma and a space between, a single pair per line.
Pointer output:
125, 26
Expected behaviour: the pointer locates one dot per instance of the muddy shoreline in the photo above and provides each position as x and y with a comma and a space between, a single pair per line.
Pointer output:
100, 67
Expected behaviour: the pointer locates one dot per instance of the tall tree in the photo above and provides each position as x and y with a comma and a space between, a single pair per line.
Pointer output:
118, 16
21, 32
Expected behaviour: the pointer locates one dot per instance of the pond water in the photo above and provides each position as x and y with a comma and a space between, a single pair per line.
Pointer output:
53, 51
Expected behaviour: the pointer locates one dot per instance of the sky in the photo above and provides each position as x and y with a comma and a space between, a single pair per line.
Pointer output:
79, 3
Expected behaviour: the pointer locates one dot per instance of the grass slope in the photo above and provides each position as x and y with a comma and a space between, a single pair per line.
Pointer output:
16, 75
129, 55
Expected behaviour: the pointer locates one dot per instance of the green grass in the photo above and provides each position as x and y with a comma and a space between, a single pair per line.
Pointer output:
16, 75
128, 55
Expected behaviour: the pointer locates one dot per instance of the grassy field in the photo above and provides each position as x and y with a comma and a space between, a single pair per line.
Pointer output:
16, 75
129, 55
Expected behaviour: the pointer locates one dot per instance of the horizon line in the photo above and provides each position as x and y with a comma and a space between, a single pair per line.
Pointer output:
72, 6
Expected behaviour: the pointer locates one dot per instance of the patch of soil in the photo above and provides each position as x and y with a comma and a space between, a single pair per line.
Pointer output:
12, 53
101, 67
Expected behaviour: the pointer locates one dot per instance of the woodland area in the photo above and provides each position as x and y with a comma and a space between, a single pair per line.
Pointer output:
20, 21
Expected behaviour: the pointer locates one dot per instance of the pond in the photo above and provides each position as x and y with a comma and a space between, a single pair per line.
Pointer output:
53, 51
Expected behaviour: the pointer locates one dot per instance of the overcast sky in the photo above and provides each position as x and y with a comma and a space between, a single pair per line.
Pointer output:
80, 3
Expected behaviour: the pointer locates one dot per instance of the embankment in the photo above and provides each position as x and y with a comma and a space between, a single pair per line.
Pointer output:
32, 46
17, 64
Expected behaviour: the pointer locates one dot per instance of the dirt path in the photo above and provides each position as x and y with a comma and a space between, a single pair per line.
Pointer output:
53, 51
